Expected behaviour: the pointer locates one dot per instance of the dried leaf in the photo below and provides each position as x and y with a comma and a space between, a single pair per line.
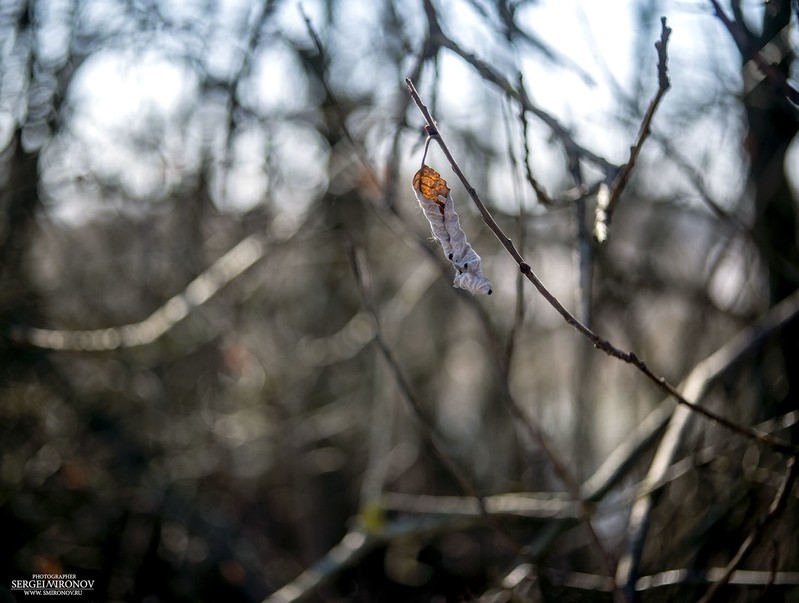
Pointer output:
430, 183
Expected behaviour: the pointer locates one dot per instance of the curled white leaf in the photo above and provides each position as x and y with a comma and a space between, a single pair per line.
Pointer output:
446, 228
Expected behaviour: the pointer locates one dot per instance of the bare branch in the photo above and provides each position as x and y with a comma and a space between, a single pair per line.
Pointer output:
525, 505
540, 192
521, 233
697, 181
775, 510
350, 549
625, 455
558, 129
597, 341
697, 385
356, 147
594, 582
749, 52
225, 270
533, 431
604, 211
347, 552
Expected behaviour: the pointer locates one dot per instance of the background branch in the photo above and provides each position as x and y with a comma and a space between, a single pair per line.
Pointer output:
221, 273
744, 43
697, 385
774, 511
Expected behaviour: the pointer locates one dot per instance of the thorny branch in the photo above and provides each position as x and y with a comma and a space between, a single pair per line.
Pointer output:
597, 341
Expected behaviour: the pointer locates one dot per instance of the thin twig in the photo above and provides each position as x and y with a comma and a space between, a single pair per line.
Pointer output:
521, 233
537, 435
490, 74
262, 12
643, 133
540, 191
696, 179
585, 247
598, 342
775, 510
625, 455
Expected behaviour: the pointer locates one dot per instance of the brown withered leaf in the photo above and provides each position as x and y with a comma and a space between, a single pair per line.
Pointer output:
430, 183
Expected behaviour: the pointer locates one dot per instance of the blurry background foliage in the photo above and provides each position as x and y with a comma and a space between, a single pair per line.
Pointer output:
213, 451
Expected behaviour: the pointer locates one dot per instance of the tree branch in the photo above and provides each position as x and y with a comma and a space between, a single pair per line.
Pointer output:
749, 52
558, 129
597, 341
351, 548
775, 510
604, 211
697, 385
525, 505
533, 431
222, 272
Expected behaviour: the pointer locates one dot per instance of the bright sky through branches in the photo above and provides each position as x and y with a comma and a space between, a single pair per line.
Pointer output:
603, 60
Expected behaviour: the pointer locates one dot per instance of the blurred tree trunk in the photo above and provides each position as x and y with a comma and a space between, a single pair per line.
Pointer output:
772, 125
19, 202
43, 89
